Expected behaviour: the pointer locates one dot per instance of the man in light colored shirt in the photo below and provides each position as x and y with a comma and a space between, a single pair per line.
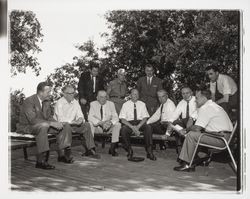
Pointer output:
223, 88
211, 118
68, 111
158, 121
104, 119
186, 110
117, 90
134, 115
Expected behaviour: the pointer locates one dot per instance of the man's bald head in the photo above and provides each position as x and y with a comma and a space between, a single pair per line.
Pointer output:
102, 97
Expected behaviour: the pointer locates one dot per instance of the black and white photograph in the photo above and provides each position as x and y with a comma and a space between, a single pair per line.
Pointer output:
109, 97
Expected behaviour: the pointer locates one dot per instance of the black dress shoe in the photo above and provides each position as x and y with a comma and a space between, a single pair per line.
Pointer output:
151, 156
65, 160
44, 165
92, 154
184, 167
113, 152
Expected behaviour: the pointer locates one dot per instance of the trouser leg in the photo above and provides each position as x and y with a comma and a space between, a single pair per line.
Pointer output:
125, 133
147, 133
190, 142
64, 137
115, 132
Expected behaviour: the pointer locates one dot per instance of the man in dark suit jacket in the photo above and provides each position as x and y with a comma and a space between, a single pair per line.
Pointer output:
89, 84
36, 118
148, 87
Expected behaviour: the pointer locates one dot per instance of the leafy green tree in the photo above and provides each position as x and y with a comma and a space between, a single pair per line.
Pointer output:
25, 35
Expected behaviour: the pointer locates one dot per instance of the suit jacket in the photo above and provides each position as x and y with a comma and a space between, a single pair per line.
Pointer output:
149, 93
85, 87
109, 112
31, 113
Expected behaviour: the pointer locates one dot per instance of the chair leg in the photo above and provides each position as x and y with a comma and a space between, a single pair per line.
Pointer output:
195, 150
232, 158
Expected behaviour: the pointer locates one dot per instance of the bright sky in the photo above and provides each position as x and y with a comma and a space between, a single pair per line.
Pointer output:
63, 25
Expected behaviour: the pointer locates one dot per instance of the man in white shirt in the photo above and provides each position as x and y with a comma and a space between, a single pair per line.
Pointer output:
211, 118
104, 119
185, 109
223, 88
68, 111
158, 121
134, 115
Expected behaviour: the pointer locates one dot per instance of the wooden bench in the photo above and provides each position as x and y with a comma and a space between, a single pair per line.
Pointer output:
24, 141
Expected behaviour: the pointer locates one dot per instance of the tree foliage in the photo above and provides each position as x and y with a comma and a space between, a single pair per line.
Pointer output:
25, 35
179, 44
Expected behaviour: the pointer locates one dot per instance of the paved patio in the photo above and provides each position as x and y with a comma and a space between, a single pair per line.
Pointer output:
117, 174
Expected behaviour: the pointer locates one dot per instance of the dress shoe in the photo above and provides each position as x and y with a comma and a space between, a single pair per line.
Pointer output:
113, 152
151, 156
184, 167
92, 154
44, 165
65, 160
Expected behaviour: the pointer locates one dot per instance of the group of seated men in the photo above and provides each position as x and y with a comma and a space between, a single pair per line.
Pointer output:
195, 114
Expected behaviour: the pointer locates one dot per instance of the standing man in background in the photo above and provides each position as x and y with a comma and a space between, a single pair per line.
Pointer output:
117, 90
148, 87
89, 84
224, 89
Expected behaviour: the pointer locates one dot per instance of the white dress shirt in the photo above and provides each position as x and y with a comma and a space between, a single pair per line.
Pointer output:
94, 83
167, 112
225, 85
109, 112
67, 111
212, 117
40, 101
181, 109
127, 111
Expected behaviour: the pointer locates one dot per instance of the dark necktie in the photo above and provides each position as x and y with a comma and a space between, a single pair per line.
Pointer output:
217, 94
43, 108
135, 112
148, 81
187, 110
161, 111
101, 111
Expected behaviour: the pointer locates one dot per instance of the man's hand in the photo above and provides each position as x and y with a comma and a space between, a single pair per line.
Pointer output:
182, 132
107, 125
83, 101
136, 130
56, 125
77, 122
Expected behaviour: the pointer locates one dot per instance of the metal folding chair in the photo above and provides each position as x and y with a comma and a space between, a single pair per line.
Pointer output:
226, 142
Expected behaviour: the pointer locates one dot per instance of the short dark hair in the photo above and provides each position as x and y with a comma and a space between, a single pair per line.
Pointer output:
93, 65
68, 86
149, 66
41, 86
185, 86
206, 93
212, 67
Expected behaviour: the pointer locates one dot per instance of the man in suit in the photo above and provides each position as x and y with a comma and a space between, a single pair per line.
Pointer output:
36, 118
68, 111
104, 119
211, 118
224, 89
88, 86
133, 116
148, 87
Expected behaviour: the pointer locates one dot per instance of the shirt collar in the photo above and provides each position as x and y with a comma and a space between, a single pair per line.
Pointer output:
40, 101
66, 102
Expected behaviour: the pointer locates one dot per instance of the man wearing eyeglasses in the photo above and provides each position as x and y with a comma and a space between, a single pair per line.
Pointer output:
68, 111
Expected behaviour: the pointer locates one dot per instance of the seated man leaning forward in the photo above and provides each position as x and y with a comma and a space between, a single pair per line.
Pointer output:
134, 115
104, 119
211, 118
159, 120
69, 113
36, 118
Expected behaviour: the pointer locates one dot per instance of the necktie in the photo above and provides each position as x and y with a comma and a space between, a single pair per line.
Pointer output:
148, 81
187, 110
43, 108
135, 112
161, 112
101, 111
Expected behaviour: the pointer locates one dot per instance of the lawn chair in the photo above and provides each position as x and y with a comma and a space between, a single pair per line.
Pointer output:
227, 142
